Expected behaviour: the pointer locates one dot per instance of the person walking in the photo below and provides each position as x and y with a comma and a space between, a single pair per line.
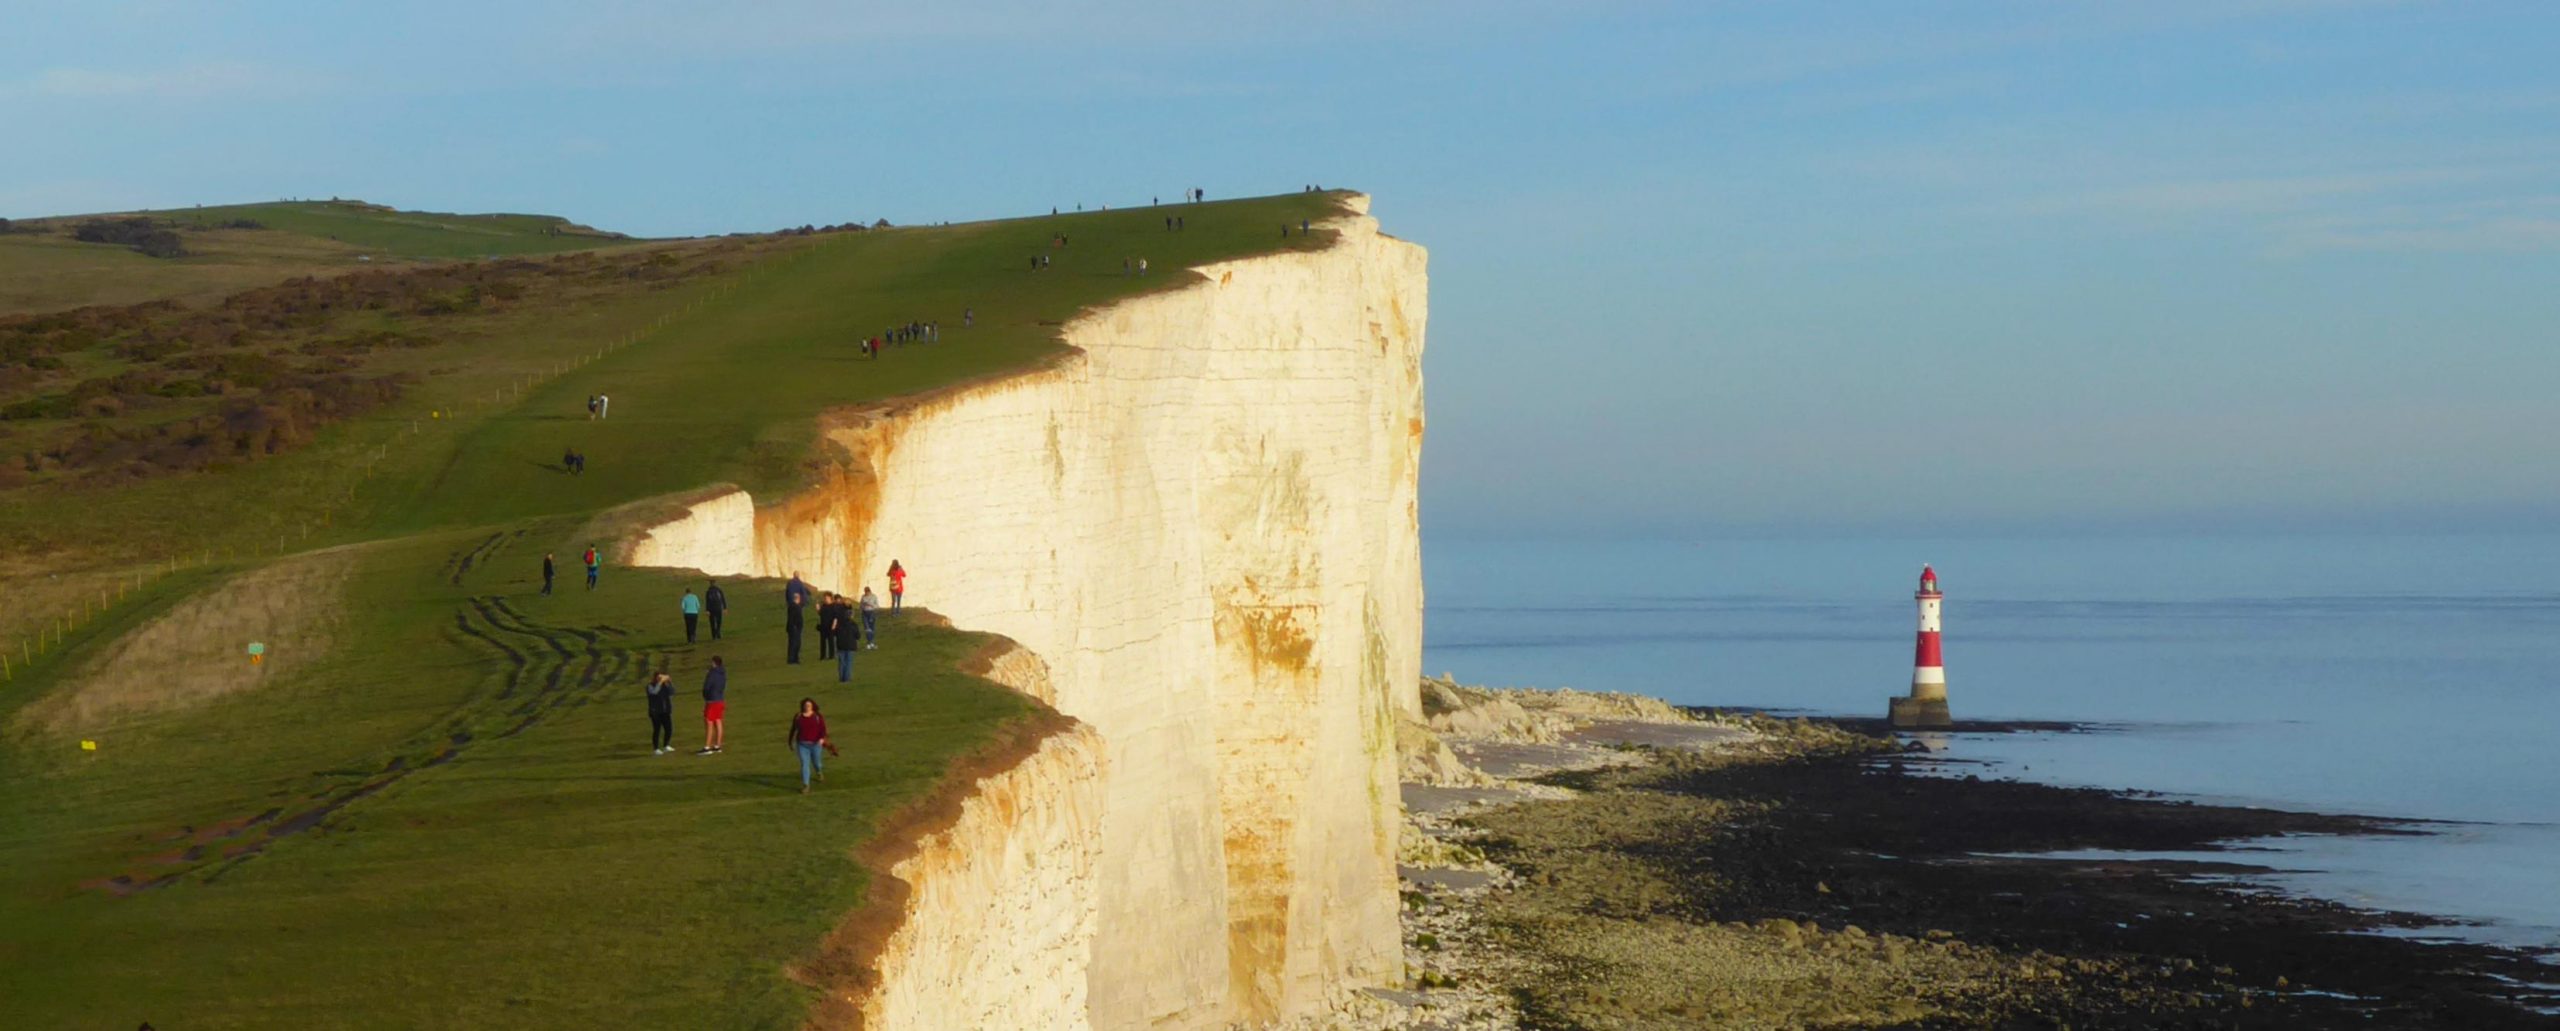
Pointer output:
662, 713
826, 625
595, 565
870, 619
691, 606
715, 706
715, 603
548, 572
848, 634
897, 584
808, 738
604, 406
795, 601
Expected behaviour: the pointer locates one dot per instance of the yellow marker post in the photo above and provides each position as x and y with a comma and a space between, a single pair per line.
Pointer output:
88, 746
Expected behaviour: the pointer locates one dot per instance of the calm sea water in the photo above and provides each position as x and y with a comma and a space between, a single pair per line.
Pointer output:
2414, 677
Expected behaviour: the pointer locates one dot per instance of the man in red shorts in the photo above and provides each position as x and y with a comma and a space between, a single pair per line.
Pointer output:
715, 705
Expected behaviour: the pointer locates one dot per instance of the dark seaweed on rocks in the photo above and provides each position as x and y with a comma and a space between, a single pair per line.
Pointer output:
1828, 881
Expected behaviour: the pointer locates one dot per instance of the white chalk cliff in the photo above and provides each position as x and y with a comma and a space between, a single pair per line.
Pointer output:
1204, 523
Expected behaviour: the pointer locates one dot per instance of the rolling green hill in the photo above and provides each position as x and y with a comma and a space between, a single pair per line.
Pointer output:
432, 804
44, 268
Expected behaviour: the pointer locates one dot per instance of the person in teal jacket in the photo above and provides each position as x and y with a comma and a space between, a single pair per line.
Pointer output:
692, 607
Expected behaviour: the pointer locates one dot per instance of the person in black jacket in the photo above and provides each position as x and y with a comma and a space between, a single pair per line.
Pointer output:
795, 604
848, 635
715, 706
826, 625
662, 713
714, 604
547, 572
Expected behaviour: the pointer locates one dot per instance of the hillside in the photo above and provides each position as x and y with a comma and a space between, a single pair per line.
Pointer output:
226, 248
435, 778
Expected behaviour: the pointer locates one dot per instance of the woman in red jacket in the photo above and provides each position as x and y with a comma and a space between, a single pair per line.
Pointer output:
897, 584
809, 738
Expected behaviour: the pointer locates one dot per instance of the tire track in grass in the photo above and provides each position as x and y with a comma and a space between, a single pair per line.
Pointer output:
539, 661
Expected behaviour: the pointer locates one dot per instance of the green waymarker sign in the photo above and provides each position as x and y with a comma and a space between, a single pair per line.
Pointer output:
257, 648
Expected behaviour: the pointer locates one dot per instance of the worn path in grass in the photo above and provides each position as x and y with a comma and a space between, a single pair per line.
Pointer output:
449, 816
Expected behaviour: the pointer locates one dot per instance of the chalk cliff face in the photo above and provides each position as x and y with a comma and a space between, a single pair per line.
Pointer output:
1205, 524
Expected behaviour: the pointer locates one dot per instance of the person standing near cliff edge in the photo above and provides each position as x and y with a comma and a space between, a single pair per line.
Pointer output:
897, 584
795, 599
848, 635
870, 619
548, 571
595, 565
715, 706
691, 606
808, 738
715, 603
662, 713
826, 625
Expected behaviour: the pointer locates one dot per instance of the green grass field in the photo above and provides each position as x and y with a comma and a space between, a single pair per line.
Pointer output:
48, 270
467, 827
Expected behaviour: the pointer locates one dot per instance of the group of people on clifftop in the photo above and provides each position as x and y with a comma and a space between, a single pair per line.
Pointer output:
920, 332
846, 624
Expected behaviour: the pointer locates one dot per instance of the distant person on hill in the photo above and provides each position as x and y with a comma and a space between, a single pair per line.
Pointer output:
715, 603
848, 635
604, 405
968, 317
808, 738
870, 619
691, 606
715, 706
568, 459
897, 584
1179, 225
826, 625
661, 690
591, 406
548, 571
795, 601
595, 565
1302, 227
1142, 266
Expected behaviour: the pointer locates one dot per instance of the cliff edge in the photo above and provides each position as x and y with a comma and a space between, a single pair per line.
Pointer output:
1203, 521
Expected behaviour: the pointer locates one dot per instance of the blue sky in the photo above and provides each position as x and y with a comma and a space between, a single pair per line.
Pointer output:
1697, 268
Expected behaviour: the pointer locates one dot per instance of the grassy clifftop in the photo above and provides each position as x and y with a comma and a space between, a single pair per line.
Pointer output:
433, 804
45, 266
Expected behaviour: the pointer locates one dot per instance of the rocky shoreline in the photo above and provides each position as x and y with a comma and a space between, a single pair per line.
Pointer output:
1576, 860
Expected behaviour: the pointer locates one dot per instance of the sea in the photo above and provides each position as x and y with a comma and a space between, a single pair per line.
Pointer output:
2410, 677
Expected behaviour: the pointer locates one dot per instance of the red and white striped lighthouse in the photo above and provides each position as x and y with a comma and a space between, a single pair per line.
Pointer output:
1926, 705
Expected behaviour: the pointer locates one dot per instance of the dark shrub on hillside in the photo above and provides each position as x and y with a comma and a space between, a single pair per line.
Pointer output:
125, 231
161, 243
246, 369
139, 233
285, 416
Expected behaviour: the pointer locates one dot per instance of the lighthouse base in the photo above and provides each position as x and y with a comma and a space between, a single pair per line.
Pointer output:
1920, 712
